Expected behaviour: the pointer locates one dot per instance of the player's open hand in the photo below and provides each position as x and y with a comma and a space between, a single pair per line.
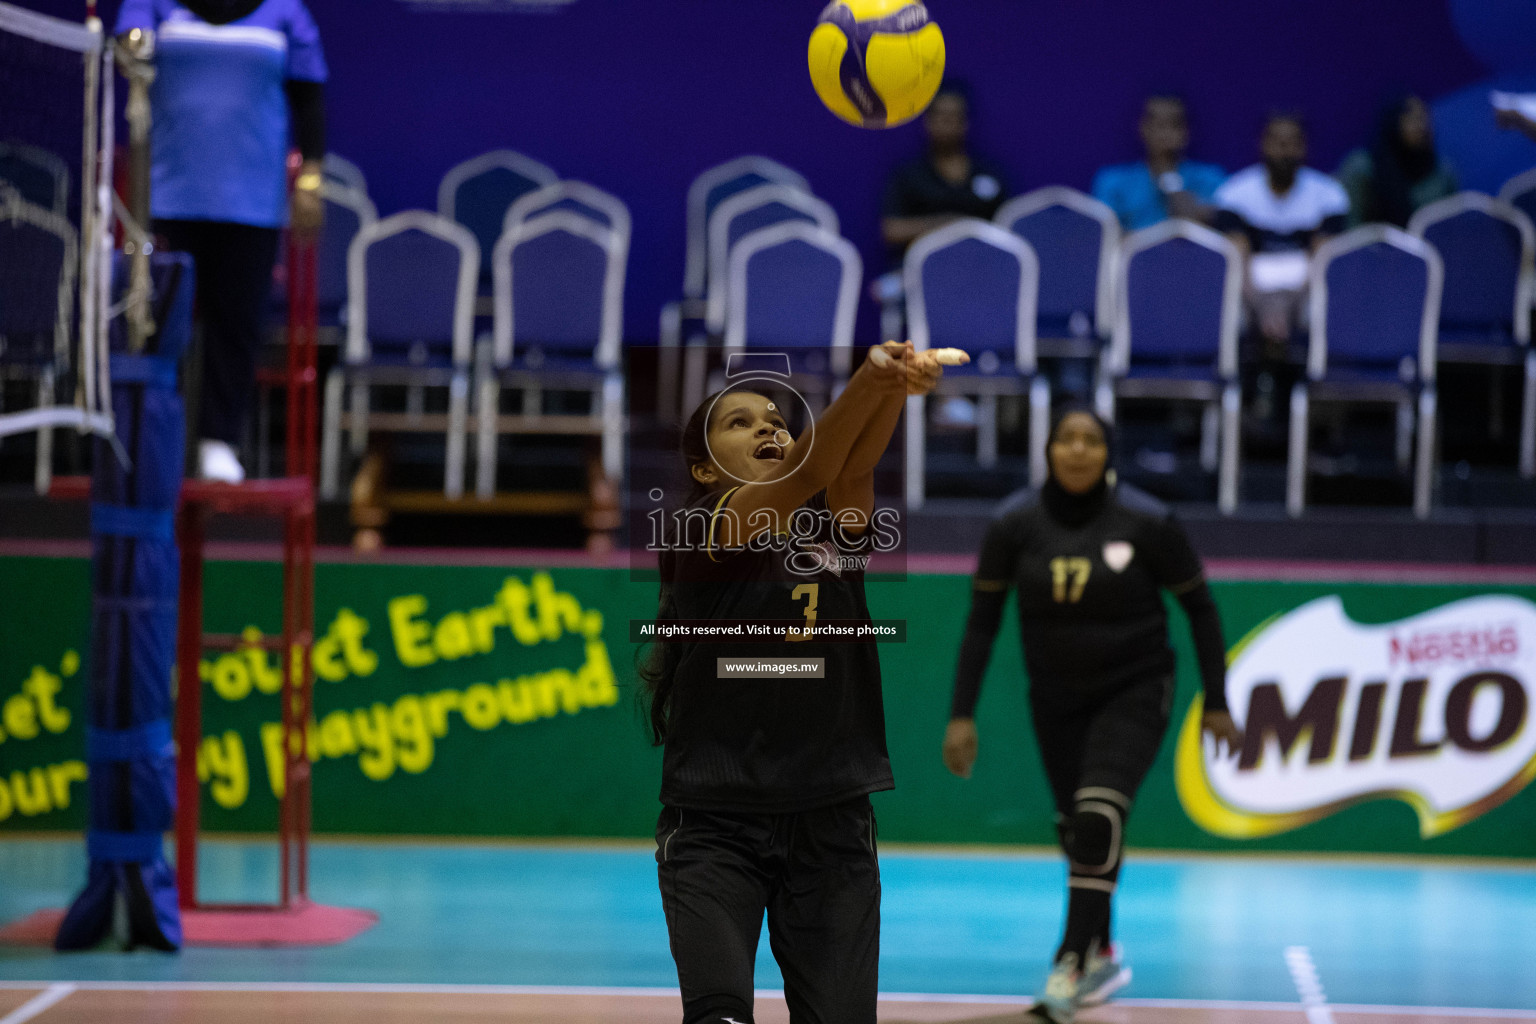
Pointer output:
1220, 725
923, 369
960, 744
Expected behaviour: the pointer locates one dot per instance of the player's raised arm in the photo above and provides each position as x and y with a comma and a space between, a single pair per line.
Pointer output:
774, 474
851, 495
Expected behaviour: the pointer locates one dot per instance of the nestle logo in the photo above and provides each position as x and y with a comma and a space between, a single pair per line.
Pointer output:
1473, 643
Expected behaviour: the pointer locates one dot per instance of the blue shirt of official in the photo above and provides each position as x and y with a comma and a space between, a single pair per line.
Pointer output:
221, 135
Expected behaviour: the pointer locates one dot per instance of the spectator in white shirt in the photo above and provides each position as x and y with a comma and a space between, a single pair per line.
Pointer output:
1278, 212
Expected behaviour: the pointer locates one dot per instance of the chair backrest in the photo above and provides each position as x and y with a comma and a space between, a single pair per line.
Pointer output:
1375, 301
477, 193
1178, 299
40, 176
39, 250
971, 285
1520, 192
578, 197
341, 171
1075, 237
793, 285
411, 278
560, 288
746, 212
347, 212
1487, 247
709, 190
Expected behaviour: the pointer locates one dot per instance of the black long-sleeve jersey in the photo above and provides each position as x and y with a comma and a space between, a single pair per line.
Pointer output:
773, 745
1091, 614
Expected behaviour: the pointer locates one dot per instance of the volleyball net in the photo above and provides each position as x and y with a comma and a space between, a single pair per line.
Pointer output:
56, 222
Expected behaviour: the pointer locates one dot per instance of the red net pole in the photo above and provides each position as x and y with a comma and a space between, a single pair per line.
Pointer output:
298, 564
303, 344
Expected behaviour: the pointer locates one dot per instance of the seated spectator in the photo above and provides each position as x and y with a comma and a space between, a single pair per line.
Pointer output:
1400, 171
1278, 212
1165, 184
946, 183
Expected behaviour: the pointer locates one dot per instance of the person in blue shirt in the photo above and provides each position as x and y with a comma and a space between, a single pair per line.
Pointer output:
237, 82
1165, 184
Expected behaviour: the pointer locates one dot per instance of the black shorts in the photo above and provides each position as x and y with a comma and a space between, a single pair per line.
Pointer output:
816, 876
1108, 740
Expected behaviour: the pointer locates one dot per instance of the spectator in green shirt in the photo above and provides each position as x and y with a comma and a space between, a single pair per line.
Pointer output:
1400, 171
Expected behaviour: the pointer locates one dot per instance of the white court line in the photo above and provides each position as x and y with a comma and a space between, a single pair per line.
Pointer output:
405, 988
1308, 985
38, 1003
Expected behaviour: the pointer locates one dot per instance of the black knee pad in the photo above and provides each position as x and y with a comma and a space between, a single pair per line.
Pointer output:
1093, 837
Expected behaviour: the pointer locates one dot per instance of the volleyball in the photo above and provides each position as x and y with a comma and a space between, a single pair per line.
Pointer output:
876, 63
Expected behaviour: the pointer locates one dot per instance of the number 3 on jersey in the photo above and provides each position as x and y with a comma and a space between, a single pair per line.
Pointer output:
811, 591
1068, 578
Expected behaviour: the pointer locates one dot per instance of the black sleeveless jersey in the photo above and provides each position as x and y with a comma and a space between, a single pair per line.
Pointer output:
772, 744
1091, 614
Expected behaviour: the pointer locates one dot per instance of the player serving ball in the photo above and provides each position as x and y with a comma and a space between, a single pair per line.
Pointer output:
1088, 561
766, 779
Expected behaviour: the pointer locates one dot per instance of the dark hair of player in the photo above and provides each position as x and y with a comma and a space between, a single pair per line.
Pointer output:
657, 664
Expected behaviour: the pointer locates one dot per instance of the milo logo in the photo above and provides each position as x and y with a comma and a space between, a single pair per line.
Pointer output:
1433, 710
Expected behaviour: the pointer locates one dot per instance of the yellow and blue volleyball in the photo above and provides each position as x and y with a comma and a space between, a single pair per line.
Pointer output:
876, 63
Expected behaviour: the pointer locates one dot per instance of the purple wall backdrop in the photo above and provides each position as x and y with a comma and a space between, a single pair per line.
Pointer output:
638, 96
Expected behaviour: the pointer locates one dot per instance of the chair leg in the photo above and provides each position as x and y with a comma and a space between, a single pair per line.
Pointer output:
986, 430
1528, 419
1231, 445
915, 442
1296, 452
1210, 417
667, 368
1424, 476
357, 422
695, 364
1495, 403
613, 428
488, 408
1039, 428
330, 436
42, 474
1403, 435
458, 425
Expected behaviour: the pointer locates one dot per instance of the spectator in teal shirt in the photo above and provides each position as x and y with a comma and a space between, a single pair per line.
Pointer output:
1165, 184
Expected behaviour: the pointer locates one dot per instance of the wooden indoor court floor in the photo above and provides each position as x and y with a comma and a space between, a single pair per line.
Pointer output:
66, 1003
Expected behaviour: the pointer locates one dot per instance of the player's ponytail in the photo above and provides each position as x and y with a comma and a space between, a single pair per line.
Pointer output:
658, 664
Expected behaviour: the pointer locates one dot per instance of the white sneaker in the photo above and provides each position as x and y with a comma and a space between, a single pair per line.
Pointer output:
1103, 975
1058, 1001
216, 461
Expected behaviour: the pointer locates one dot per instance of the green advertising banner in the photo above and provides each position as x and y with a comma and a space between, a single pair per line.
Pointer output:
496, 701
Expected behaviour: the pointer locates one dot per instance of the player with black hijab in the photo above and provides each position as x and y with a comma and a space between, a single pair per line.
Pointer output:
1088, 560
766, 778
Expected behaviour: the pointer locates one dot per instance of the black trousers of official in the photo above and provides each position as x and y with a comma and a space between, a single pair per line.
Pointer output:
816, 876
233, 265
1097, 750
